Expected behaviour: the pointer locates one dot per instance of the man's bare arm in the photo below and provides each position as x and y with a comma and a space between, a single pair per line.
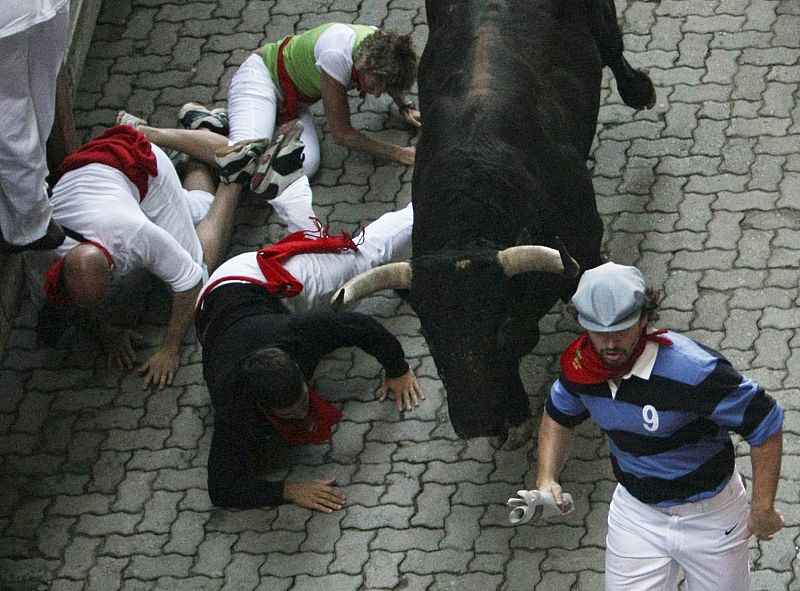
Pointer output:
554, 447
765, 520
160, 369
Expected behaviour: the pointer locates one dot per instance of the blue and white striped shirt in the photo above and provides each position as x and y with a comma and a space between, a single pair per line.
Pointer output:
669, 419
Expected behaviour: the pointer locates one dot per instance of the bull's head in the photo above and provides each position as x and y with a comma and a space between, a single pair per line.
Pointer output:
479, 314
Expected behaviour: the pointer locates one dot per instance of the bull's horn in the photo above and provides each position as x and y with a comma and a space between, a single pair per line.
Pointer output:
542, 259
389, 276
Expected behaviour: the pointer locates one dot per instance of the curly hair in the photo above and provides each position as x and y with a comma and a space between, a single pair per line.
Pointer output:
389, 56
652, 298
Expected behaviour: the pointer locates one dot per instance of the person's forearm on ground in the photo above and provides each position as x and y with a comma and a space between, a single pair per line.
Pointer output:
554, 447
161, 368
355, 140
337, 112
181, 318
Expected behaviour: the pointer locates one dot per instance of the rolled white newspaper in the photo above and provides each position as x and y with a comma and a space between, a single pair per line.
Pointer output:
533, 504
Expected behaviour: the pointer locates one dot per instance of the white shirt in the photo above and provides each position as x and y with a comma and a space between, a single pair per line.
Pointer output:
102, 204
20, 15
334, 52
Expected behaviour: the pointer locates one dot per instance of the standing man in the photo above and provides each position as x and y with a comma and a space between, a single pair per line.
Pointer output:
33, 39
667, 405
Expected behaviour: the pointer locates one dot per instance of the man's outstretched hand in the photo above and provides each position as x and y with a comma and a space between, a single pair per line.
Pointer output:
161, 368
406, 389
319, 495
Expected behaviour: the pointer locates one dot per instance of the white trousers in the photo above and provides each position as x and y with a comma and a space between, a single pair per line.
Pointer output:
29, 64
647, 546
384, 240
253, 103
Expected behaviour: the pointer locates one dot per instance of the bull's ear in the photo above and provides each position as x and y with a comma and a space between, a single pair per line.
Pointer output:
571, 267
524, 237
337, 303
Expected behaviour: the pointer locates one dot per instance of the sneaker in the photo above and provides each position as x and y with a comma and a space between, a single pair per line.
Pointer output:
125, 118
281, 164
179, 161
196, 116
237, 163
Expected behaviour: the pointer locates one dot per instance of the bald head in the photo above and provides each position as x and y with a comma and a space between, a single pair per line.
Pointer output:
86, 276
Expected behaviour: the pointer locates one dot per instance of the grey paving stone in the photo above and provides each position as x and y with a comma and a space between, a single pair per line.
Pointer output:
53, 536
147, 544
351, 552
447, 560
290, 565
148, 567
79, 556
160, 511
213, 554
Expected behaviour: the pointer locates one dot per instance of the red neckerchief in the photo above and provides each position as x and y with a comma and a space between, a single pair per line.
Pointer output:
54, 287
122, 147
325, 417
278, 280
291, 95
583, 365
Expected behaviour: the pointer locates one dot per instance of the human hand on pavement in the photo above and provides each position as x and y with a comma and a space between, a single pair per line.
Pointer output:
118, 344
319, 495
412, 116
406, 154
406, 389
160, 369
764, 524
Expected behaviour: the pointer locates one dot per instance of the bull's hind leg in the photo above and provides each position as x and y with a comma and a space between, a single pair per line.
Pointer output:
635, 86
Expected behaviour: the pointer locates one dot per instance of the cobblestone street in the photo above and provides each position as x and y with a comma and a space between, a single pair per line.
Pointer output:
104, 484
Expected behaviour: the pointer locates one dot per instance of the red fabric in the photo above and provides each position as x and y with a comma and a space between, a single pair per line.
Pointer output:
121, 147
53, 287
291, 95
278, 280
583, 365
325, 416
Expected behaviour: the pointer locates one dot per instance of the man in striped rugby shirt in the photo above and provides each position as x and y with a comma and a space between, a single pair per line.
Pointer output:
667, 404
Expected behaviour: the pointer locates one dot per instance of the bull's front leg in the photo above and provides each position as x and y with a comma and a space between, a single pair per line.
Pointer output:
635, 86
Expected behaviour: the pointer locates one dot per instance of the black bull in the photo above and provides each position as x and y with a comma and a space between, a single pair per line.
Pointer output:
509, 96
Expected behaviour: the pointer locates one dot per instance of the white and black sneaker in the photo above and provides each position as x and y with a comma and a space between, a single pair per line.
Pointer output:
238, 162
196, 116
282, 162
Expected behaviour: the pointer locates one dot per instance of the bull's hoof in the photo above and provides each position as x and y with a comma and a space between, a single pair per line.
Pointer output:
638, 92
516, 437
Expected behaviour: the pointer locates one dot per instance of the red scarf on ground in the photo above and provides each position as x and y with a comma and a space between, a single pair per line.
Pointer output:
583, 365
53, 286
121, 147
291, 95
325, 417
278, 280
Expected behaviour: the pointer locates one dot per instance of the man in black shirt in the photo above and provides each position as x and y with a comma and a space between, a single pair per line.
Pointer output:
263, 336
